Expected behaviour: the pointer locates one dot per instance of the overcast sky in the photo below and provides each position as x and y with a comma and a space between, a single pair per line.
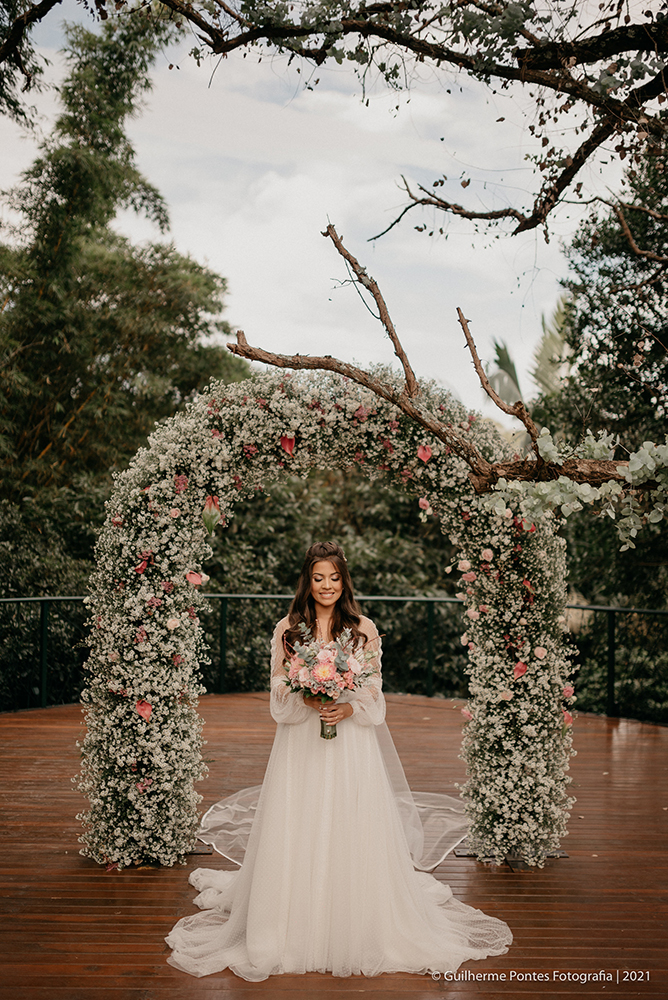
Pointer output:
253, 166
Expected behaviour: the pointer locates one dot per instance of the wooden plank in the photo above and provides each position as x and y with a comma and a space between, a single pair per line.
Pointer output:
70, 930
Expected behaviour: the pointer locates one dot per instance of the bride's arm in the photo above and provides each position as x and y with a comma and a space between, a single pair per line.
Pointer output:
368, 702
285, 705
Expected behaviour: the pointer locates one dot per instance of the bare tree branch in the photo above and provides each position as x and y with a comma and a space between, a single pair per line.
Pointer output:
518, 410
412, 387
647, 254
456, 442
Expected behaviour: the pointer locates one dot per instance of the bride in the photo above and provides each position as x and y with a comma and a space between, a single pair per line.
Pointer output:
331, 841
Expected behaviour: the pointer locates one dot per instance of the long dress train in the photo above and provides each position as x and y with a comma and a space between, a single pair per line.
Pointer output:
330, 844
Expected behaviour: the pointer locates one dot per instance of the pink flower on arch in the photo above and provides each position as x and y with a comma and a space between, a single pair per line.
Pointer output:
464, 565
144, 709
569, 691
423, 503
194, 578
473, 615
467, 715
180, 483
520, 670
288, 443
568, 718
506, 696
211, 514
540, 652
470, 577
487, 555
424, 453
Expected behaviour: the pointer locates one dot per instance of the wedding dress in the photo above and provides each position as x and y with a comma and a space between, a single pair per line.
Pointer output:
330, 843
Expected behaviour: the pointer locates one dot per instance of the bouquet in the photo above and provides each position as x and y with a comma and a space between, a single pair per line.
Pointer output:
325, 669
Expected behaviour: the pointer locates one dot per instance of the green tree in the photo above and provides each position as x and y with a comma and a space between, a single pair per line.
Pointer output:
99, 338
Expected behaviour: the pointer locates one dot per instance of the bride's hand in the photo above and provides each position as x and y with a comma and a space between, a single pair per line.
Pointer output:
333, 712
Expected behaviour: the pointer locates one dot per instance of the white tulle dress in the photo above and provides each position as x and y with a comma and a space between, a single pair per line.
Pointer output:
328, 846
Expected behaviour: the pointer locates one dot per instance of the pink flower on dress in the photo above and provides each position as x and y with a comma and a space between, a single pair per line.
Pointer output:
144, 709
569, 690
424, 453
520, 670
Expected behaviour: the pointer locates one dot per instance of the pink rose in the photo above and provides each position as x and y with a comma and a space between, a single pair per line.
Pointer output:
467, 715
568, 718
569, 691
473, 615
506, 696
464, 640
304, 677
487, 555
424, 453
296, 663
174, 512
173, 623
423, 503
464, 565
540, 652
354, 665
470, 577
520, 670
326, 655
144, 709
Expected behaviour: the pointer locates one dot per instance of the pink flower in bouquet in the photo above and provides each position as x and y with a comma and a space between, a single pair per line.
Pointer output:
326, 655
144, 709
340, 681
296, 664
569, 690
349, 678
467, 715
194, 578
288, 443
463, 565
324, 671
354, 665
304, 676
520, 670
487, 555
470, 577
424, 453
540, 652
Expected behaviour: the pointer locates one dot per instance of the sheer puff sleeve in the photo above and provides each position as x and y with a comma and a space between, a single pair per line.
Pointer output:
285, 705
368, 702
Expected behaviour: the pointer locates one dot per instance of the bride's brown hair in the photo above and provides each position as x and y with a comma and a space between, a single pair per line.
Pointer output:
346, 612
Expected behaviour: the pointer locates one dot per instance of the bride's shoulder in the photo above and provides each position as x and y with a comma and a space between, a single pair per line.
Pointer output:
282, 625
368, 626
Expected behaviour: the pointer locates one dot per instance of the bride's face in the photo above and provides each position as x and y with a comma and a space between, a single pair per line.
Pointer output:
326, 584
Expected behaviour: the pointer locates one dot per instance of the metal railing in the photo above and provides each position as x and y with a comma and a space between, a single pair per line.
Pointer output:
429, 602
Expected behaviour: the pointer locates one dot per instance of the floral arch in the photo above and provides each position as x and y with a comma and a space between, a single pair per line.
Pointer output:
141, 754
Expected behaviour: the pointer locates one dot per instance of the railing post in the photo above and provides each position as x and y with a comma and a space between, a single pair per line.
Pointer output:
223, 645
611, 707
430, 648
43, 639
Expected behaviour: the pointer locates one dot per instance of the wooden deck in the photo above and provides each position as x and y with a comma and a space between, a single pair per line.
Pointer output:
71, 931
